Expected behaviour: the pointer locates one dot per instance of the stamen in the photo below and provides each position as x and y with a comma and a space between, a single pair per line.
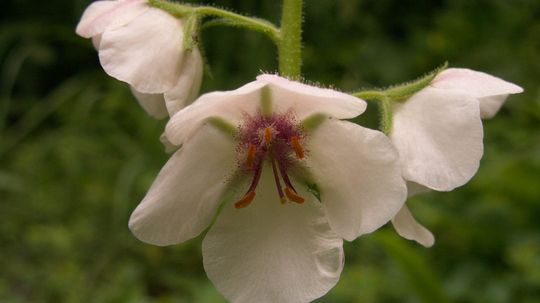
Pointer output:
285, 177
278, 184
246, 200
250, 194
250, 157
268, 135
298, 149
293, 196
290, 191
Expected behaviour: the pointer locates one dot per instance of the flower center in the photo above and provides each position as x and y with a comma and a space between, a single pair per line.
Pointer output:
277, 139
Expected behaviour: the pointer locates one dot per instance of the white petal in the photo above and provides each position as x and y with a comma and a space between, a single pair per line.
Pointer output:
96, 41
358, 175
301, 99
146, 53
491, 91
438, 134
169, 147
414, 189
268, 252
185, 195
105, 15
305, 100
153, 104
188, 84
489, 106
229, 105
407, 227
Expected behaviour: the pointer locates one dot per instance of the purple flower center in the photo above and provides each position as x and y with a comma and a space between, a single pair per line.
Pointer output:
275, 138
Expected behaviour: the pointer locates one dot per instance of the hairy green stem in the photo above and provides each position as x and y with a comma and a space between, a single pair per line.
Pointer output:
230, 18
290, 42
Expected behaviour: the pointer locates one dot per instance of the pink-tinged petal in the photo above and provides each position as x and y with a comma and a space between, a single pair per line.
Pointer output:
268, 252
106, 15
490, 90
146, 53
153, 104
306, 100
228, 105
185, 196
188, 84
407, 227
358, 174
438, 134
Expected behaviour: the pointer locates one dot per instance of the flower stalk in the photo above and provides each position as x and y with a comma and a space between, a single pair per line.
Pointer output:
290, 42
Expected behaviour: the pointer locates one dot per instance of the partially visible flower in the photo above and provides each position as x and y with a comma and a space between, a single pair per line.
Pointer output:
438, 133
290, 178
144, 47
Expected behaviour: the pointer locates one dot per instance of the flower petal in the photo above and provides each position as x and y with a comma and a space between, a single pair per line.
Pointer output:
268, 252
358, 174
286, 95
490, 90
438, 134
306, 100
489, 106
186, 194
229, 105
188, 83
153, 104
414, 189
105, 15
146, 53
407, 227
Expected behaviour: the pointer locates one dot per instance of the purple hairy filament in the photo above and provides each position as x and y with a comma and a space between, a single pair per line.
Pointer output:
276, 139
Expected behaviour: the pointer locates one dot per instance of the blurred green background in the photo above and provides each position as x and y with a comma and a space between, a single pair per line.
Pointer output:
77, 154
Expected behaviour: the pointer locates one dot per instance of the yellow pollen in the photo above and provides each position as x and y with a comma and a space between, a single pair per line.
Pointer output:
298, 149
268, 135
246, 200
293, 196
250, 157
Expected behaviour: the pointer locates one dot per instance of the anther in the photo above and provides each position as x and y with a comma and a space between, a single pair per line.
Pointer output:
250, 157
246, 200
293, 196
268, 135
298, 149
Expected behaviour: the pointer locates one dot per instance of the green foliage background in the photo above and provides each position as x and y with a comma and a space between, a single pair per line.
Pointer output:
77, 154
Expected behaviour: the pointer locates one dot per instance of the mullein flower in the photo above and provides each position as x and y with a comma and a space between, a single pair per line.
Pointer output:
280, 180
439, 135
144, 47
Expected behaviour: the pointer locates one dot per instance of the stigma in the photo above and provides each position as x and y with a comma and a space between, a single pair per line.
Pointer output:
276, 141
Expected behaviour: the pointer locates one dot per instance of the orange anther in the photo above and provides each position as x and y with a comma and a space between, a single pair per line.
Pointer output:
268, 135
250, 157
246, 200
293, 196
298, 149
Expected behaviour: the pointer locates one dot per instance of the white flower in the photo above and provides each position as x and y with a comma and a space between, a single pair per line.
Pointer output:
266, 153
438, 133
143, 46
